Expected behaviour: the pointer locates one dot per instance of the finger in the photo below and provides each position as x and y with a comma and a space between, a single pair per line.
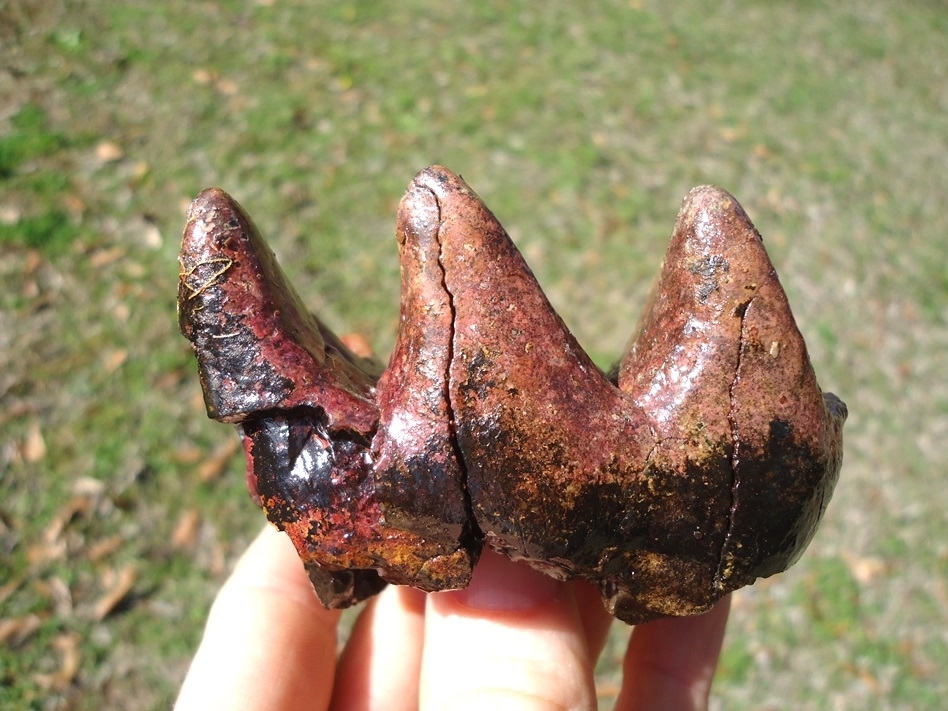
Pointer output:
269, 643
596, 621
513, 639
670, 663
381, 663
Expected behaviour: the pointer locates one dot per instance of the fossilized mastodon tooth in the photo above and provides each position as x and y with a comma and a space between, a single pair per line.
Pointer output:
705, 461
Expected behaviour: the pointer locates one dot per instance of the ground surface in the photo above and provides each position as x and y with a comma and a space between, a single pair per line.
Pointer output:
582, 126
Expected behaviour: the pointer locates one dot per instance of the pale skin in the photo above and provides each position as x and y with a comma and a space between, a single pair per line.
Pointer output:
514, 639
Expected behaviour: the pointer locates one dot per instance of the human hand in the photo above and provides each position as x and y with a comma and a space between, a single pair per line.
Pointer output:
514, 639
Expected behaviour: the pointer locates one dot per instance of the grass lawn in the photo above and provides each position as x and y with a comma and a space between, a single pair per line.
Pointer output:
582, 127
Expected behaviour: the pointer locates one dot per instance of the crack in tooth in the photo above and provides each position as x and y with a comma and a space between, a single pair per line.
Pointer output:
735, 452
473, 532
735, 433
735, 447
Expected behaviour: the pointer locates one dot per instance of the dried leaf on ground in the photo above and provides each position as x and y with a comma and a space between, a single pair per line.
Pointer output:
214, 465
100, 549
88, 486
358, 344
865, 569
16, 630
9, 587
109, 152
67, 644
34, 446
118, 585
41, 553
186, 530
114, 359
188, 454
79, 505
56, 591
104, 257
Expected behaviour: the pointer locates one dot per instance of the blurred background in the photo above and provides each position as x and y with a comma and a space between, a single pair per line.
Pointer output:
122, 507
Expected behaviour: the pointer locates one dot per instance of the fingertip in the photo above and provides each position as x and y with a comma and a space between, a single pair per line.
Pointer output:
519, 630
593, 615
500, 586
268, 643
380, 665
271, 563
670, 663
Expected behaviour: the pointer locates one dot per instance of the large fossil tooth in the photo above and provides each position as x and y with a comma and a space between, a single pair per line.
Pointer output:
704, 461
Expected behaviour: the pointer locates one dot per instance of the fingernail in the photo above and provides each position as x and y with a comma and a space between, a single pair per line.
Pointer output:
500, 584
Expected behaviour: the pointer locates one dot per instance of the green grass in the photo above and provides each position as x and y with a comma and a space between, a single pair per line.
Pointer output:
582, 127
29, 138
